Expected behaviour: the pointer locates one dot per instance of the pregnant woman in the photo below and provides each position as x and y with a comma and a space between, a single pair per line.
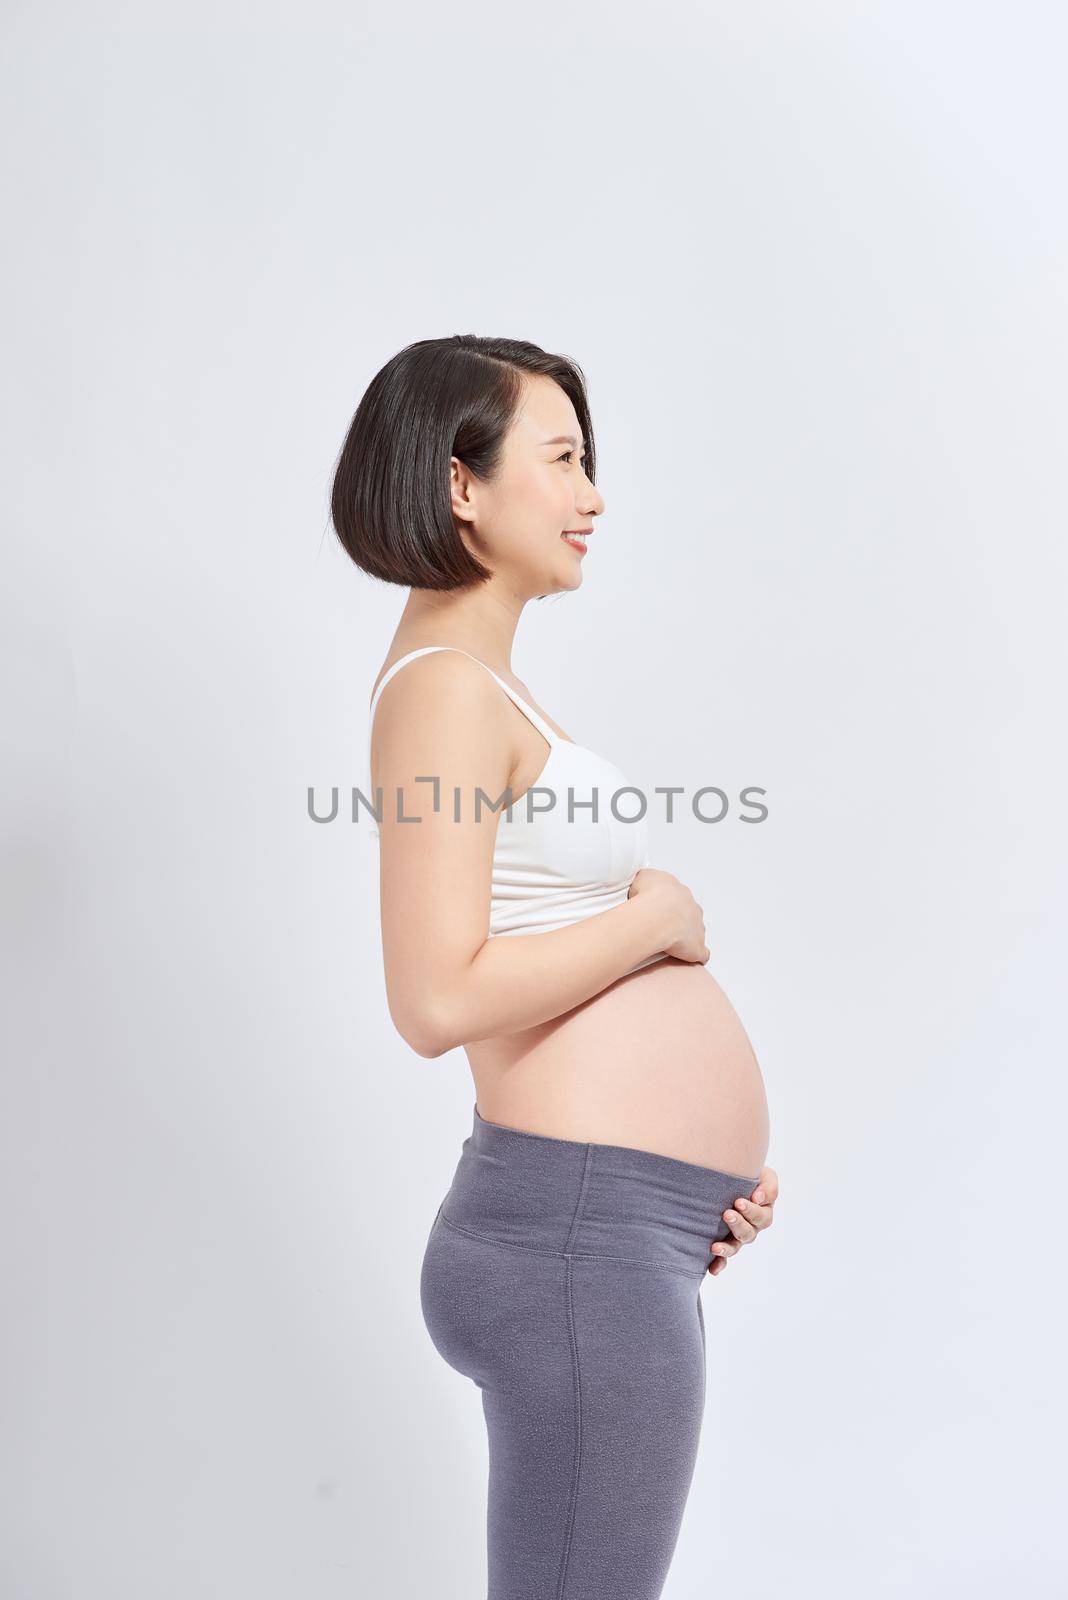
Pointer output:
620, 1123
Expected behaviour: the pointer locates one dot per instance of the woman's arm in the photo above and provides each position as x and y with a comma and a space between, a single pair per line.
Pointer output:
447, 982
515, 983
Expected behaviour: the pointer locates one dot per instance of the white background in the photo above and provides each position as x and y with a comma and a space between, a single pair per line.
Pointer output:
812, 261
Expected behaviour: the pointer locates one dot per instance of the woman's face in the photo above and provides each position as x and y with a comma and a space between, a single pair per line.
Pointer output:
516, 524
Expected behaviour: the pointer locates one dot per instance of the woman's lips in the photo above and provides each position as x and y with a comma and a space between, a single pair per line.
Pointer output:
577, 541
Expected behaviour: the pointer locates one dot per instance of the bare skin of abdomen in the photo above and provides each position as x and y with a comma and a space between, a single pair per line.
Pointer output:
658, 1061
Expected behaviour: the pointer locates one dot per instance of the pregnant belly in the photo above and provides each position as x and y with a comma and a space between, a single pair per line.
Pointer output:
658, 1061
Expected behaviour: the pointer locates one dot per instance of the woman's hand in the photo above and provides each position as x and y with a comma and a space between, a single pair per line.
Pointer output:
680, 916
751, 1217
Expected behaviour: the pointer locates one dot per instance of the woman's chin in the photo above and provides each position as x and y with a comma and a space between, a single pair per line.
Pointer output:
560, 580
571, 577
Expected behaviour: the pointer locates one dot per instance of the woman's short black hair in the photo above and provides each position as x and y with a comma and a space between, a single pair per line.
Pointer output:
391, 502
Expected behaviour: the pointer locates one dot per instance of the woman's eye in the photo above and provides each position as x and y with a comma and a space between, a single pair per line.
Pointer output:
566, 456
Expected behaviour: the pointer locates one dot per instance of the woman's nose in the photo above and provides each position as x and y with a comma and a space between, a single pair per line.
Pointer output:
592, 502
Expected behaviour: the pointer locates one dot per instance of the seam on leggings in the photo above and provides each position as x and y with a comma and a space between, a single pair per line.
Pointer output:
577, 1381
581, 1197
575, 1376
576, 1255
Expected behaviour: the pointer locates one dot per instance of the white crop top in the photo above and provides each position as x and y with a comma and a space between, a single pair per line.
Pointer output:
548, 871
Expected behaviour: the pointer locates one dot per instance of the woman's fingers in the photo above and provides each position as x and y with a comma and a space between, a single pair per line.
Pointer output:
767, 1187
722, 1250
757, 1210
743, 1230
756, 1215
746, 1218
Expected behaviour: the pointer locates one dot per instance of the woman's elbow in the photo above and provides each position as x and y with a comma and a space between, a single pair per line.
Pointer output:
429, 1032
431, 1009
430, 1046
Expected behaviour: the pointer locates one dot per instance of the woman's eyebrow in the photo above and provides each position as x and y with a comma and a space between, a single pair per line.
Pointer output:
563, 438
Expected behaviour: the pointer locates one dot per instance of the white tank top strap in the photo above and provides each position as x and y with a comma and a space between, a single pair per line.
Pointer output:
528, 711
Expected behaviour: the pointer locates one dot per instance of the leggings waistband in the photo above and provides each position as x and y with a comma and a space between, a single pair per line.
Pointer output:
572, 1198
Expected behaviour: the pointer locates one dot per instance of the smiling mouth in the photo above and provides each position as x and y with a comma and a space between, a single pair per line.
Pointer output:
576, 539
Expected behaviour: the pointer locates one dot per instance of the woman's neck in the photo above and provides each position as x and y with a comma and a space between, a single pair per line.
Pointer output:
480, 622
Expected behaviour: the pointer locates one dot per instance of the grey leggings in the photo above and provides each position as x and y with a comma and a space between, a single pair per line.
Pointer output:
564, 1278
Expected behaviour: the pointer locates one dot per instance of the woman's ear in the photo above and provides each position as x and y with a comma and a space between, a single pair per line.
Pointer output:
462, 489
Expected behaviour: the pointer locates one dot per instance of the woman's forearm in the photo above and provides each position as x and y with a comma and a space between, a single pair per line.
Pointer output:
516, 982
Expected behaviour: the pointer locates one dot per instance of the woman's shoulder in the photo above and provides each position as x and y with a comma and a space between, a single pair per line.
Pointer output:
439, 679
